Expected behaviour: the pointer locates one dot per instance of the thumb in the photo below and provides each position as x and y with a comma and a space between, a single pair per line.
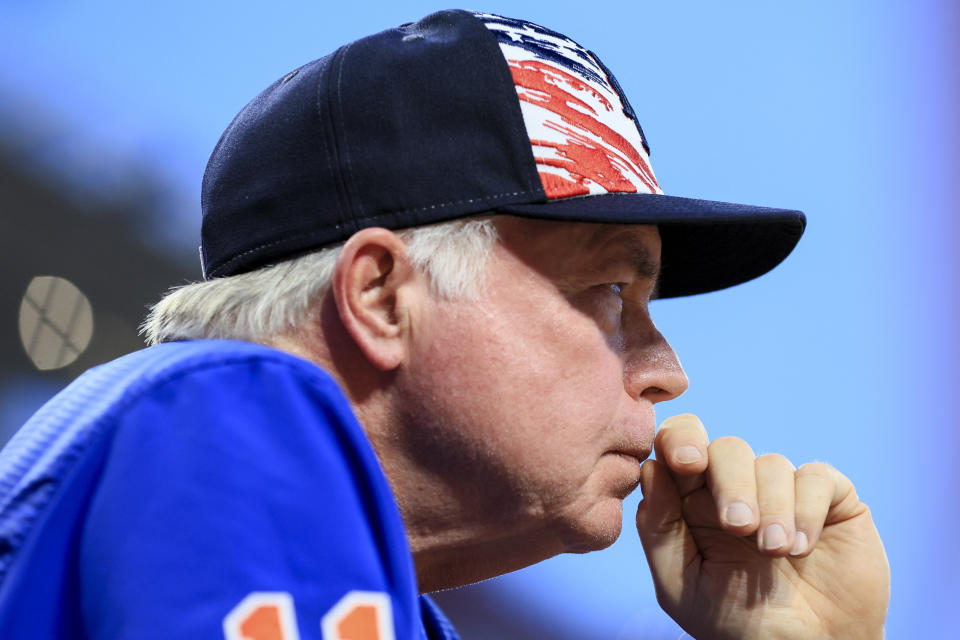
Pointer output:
666, 538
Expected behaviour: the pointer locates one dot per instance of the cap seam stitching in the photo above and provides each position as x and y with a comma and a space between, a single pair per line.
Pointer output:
331, 130
353, 208
262, 246
519, 129
441, 205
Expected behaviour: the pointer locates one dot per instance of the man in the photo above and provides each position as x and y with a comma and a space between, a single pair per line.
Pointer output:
421, 357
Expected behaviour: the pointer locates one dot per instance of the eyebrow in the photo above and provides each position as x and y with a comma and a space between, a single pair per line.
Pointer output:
646, 267
638, 257
643, 263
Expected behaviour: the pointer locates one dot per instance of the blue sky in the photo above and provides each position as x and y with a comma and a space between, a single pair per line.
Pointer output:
846, 353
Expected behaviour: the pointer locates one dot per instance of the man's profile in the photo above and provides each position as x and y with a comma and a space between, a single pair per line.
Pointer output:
422, 356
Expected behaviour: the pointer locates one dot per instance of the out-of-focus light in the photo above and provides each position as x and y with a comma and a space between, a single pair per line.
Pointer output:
56, 322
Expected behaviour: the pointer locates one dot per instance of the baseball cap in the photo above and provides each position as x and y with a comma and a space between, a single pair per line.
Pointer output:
460, 114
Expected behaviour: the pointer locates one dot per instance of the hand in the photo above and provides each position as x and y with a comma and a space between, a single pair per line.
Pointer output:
749, 547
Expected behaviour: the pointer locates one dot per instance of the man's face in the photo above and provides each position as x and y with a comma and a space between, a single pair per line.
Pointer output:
533, 402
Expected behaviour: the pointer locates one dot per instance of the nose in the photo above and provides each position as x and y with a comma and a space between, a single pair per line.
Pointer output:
652, 370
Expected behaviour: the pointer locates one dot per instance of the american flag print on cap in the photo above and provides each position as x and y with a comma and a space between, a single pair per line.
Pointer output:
583, 141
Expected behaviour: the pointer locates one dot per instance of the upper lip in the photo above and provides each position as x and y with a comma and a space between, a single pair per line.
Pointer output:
638, 450
638, 432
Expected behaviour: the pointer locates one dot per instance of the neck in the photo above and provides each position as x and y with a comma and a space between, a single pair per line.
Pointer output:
459, 531
458, 534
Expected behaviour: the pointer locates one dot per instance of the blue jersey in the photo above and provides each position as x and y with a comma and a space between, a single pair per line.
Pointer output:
207, 489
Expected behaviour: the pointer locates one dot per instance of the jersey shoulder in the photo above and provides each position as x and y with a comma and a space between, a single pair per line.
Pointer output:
76, 423
255, 453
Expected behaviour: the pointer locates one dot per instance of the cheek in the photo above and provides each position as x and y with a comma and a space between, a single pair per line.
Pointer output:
583, 354
526, 375
524, 405
559, 374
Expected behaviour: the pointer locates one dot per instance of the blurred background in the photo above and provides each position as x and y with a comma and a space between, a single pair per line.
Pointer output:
847, 353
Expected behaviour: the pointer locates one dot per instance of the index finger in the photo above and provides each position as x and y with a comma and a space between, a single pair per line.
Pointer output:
681, 444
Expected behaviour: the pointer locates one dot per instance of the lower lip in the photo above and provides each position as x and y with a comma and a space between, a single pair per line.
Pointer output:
625, 490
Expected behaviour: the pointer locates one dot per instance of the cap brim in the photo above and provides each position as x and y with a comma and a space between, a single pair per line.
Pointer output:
707, 245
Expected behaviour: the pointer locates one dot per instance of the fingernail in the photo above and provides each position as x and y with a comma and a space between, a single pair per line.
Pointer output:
738, 514
687, 454
774, 537
800, 543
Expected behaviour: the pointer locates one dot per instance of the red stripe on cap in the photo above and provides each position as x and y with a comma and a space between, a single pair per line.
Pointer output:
558, 187
584, 158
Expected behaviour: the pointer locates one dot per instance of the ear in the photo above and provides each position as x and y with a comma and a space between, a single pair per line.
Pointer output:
373, 282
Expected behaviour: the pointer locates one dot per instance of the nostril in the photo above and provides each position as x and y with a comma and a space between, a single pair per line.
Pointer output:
659, 394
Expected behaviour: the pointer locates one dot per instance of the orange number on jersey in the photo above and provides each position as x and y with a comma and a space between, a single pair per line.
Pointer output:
359, 615
262, 615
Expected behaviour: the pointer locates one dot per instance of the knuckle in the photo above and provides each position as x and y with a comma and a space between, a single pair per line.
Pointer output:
773, 461
727, 442
682, 426
683, 420
816, 469
732, 448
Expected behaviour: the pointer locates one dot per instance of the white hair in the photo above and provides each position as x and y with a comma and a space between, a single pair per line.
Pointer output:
259, 305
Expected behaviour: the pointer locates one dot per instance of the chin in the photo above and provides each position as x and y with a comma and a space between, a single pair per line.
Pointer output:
596, 529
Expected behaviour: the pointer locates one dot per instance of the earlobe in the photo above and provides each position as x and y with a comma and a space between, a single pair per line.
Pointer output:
370, 283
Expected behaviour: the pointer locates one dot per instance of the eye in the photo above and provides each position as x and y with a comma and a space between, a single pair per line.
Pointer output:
611, 295
608, 293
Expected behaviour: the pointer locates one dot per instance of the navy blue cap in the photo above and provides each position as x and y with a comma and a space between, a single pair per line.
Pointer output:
456, 115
